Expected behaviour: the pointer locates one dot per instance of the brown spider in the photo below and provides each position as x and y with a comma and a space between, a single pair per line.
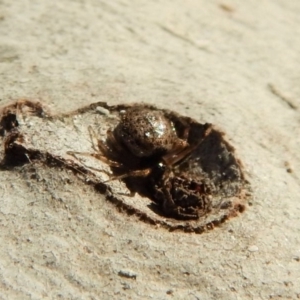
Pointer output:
152, 143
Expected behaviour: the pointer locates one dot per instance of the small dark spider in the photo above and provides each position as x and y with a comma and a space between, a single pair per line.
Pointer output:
151, 143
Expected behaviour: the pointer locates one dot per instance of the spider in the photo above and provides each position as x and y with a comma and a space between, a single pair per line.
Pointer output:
151, 143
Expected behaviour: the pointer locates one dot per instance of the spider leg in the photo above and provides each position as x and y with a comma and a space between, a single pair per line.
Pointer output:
108, 155
174, 157
93, 137
97, 144
97, 156
103, 147
177, 155
135, 173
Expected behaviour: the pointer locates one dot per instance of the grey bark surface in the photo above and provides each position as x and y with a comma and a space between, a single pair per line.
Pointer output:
232, 64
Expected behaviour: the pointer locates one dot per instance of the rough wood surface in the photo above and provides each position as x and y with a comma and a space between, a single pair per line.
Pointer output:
230, 63
29, 134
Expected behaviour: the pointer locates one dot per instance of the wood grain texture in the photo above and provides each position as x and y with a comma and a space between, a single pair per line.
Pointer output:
211, 64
